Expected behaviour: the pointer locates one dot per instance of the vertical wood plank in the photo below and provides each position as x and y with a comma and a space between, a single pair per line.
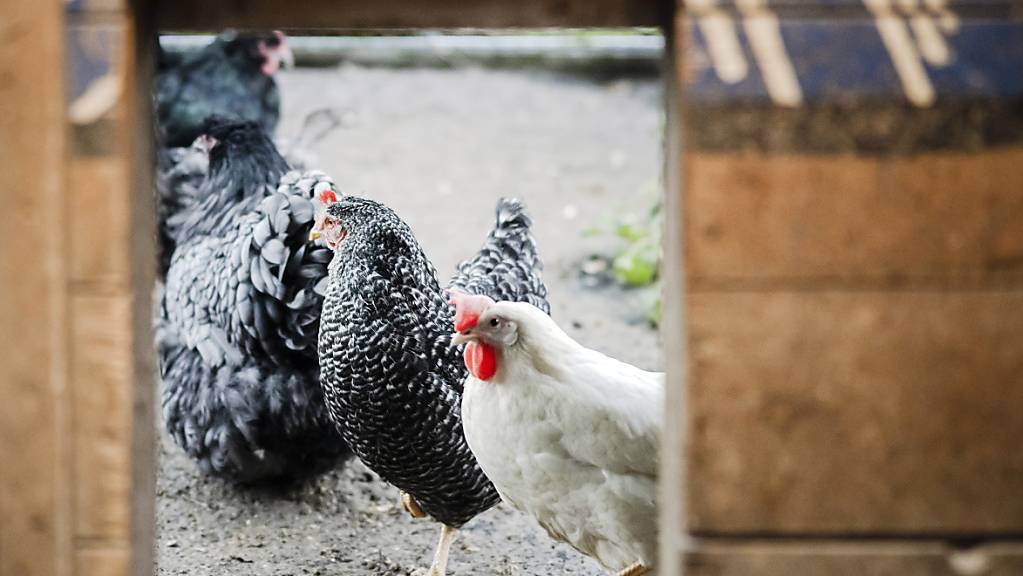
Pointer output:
101, 375
33, 504
100, 233
102, 562
111, 285
672, 473
140, 33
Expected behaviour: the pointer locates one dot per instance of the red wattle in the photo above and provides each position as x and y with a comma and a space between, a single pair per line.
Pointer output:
481, 360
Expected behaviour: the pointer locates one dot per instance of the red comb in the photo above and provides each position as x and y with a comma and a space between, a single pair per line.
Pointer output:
327, 197
468, 308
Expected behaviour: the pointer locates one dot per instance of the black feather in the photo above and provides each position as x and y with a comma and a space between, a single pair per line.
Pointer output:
239, 320
225, 78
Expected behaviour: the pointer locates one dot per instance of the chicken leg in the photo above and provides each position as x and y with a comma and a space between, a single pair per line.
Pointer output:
411, 506
637, 569
440, 557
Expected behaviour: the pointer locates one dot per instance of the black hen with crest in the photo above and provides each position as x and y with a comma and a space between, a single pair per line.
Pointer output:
239, 315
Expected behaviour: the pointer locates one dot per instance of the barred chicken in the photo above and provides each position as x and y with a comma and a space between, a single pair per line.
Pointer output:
567, 434
239, 316
392, 382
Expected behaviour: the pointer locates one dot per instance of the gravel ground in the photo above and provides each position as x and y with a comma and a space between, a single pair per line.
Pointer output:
440, 146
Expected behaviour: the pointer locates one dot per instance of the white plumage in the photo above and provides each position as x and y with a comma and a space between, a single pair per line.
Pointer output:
565, 433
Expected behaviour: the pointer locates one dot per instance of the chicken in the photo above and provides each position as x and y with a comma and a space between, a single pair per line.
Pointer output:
232, 76
392, 382
181, 172
565, 433
239, 315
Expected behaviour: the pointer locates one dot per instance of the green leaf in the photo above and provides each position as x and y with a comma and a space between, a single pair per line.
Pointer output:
630, 232
637, 264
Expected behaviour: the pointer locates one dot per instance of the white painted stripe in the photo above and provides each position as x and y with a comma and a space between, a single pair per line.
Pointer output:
947, 19
895, 35
764, 33
932, 43
722, 40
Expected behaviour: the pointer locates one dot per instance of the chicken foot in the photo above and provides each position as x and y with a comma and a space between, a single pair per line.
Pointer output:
637, 569
440, 557
408, 502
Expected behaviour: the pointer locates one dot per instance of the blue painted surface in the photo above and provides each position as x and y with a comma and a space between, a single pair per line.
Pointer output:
838, 59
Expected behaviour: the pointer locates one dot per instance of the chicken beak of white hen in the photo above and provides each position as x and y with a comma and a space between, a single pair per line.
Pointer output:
462, 337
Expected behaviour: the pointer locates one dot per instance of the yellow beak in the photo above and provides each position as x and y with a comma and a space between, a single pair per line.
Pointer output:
314, 235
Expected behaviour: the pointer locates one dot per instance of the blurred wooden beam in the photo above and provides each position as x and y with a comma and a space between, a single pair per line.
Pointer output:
864, 558
35, 503
200, 15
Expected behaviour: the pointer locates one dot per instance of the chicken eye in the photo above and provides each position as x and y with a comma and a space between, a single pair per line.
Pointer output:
494, 322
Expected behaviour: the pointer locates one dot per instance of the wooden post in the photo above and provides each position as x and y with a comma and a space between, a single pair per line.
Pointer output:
853, 308
35, 501
76, 250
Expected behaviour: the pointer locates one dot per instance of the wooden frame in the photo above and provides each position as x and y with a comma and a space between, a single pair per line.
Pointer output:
77, 446
77, 415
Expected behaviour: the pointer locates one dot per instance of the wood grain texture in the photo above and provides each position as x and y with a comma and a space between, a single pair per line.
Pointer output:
101, 235
751, 218
138, 133
672, 474
199, 15
112, 390
830, 558
101, 380
855, 413
91, 561
33, 504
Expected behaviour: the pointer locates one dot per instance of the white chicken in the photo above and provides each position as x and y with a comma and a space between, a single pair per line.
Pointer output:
565, 433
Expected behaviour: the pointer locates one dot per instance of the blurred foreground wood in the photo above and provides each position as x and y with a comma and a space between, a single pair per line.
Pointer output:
843, 310
76, 444
853, 301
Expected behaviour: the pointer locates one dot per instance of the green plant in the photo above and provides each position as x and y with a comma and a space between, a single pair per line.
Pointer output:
636, 262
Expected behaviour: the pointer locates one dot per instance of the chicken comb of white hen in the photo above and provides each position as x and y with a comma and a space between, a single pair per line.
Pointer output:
468, 307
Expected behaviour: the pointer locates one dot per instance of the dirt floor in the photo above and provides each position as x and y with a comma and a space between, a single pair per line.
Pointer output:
440, 146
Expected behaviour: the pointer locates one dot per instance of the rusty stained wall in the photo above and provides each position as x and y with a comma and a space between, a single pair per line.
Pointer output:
67, 489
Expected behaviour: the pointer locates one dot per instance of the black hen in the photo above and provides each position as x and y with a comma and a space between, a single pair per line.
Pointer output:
391, 379
181, 172
238, 321
232, 76
179, 178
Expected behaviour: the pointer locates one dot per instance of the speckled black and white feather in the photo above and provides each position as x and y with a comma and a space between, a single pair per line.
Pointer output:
391, 379
508, 265
239, 316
